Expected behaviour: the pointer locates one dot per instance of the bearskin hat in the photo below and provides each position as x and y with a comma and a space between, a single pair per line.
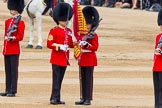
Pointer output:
91, 15
62, 12
159, 20
16, 5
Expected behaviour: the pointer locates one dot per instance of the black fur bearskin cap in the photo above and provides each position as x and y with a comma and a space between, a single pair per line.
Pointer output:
159, 20
61, 12
17, 5
91, 15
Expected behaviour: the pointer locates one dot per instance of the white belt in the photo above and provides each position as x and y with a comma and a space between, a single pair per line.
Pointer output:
84, 50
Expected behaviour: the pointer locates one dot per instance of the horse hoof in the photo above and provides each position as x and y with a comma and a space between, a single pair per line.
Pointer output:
38, 47
29, 46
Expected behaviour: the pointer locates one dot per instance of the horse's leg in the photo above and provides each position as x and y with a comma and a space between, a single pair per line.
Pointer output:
31, 29
39, 30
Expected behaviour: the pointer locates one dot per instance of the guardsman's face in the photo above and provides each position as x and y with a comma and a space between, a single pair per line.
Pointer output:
13, 12
89, 27
62, 23
161, 27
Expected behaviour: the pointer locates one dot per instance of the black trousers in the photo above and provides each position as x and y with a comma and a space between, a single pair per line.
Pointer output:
157, 80
11, 72
86, 82
57, 77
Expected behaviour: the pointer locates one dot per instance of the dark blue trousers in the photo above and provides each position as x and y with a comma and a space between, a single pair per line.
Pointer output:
11, 72
57, 77
86, 82
157, 80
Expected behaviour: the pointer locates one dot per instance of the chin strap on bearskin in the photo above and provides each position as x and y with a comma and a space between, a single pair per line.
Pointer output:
92, 31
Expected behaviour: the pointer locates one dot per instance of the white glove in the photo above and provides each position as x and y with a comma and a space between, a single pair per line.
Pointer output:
10, 38
83, 43
64, 47
158, 51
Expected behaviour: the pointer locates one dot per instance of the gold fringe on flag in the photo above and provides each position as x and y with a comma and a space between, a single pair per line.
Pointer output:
79, 26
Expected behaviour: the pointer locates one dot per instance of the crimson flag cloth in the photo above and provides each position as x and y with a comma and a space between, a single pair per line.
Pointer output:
79, 26
79, 23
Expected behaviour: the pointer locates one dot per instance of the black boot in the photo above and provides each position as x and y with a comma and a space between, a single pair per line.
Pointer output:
11, 95
79, 102
56, 102
3, 94
61, 102
87, 102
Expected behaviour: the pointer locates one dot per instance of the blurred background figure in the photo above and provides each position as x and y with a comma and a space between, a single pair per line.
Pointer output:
5, 1
134, 4
126, 3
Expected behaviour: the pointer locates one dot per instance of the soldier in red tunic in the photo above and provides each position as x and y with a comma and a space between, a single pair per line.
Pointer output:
88, 58
59, 41
157, 67
14, 33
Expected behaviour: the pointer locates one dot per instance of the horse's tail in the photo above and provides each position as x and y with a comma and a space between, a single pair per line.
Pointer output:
27, 10
27, 3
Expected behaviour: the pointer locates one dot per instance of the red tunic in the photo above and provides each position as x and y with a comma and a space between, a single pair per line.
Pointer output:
157, 58
88, 55
13, 47
58, 35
